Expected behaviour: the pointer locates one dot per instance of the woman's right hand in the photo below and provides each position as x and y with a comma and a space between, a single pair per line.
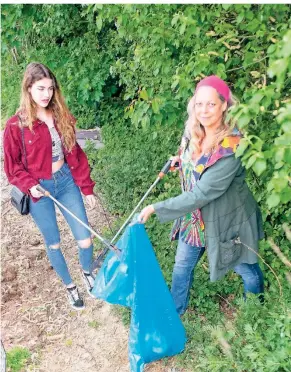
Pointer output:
35, 193
175, 159
145, 214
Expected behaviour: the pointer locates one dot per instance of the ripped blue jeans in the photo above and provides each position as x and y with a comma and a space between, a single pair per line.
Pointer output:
187, 257
63, 188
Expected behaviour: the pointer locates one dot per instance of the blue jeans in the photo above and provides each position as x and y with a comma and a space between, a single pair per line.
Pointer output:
63, 188
186, 260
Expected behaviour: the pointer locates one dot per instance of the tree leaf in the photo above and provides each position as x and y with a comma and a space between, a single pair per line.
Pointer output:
143, 95
287, 155
145, 121
285, 195
99, 23
240, 17
251, 161
243, 145
259, 167
273, 200
155, 105
182, 28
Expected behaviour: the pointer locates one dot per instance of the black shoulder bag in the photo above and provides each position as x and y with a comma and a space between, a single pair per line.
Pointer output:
19, 199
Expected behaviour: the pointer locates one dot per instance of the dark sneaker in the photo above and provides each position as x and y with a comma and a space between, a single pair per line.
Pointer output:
89, 280
75, 299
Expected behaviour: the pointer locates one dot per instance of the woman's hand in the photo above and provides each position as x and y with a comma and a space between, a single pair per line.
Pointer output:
145, 214
35, 193
91, 200
175, 159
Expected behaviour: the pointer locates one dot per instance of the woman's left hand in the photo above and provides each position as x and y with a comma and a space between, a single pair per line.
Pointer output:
145, 214
91, 200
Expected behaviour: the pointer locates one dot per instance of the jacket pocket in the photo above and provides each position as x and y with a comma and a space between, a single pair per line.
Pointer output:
31, 139
229, 252
32, 144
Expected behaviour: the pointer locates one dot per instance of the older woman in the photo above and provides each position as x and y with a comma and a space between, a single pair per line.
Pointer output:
216, 210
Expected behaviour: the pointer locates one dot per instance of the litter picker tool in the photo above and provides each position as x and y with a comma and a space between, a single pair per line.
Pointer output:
104, 241
163, 172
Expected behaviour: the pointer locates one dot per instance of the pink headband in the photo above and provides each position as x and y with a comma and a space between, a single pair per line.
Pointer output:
216, 83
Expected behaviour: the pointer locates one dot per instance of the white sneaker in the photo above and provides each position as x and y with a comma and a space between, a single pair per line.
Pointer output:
89, 281
75, 299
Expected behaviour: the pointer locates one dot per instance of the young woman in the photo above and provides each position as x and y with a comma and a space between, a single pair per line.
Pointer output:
216, 210
55, 161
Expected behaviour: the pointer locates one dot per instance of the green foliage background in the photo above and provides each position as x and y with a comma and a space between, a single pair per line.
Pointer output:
131, 70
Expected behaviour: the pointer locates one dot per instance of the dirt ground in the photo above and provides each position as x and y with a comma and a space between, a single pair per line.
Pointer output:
35, 312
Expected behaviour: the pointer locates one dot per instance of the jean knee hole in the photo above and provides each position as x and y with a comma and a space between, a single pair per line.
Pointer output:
53, 246
83, 241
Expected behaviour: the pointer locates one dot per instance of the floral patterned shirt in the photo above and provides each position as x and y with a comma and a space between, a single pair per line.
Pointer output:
190, 228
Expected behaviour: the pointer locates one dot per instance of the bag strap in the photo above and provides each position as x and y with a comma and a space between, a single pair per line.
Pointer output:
23, 144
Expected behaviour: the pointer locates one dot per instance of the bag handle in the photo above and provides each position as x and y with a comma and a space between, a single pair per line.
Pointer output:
23, 144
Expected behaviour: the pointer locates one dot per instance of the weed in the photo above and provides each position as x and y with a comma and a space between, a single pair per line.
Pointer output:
17, 359
94, 324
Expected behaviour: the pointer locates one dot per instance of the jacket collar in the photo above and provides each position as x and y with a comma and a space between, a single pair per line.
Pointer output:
226, 148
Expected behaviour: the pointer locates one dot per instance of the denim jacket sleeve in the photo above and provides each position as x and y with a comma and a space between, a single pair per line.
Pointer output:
213, 183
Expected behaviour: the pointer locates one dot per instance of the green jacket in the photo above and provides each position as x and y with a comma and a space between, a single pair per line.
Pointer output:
230, 213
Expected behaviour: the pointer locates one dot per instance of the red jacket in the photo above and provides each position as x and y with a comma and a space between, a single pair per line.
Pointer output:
38, 146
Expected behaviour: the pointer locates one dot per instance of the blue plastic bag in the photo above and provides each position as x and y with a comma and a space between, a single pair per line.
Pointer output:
135, 280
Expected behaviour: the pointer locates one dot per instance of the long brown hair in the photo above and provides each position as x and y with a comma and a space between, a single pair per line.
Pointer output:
196, 132
28, 108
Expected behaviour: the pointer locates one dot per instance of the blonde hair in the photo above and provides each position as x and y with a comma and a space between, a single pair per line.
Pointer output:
196, 132
28, 108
